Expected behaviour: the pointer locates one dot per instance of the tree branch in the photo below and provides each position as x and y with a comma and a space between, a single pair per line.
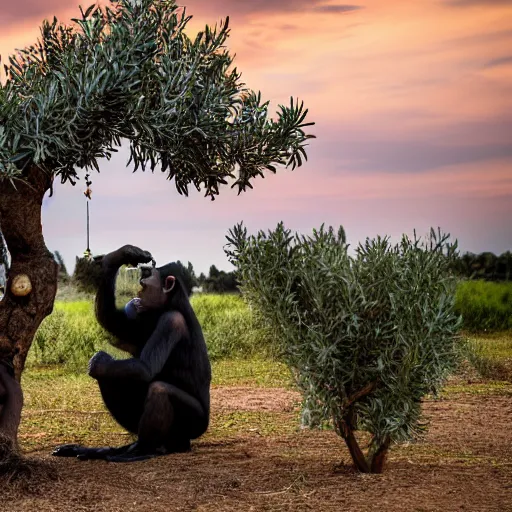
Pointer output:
354, 397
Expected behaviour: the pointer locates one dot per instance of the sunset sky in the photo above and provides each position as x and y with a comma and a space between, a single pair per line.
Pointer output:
412, 101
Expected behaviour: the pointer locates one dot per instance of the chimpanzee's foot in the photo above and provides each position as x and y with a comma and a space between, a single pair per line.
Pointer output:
134, 456
84, 453
138, 451
67, 450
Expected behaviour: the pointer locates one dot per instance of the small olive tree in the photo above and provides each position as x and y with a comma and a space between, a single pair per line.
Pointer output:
366, 336
129, 73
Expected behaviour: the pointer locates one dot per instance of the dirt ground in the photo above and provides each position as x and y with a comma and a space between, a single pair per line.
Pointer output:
463, 464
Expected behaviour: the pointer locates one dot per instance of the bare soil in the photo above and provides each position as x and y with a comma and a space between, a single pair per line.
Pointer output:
464, 463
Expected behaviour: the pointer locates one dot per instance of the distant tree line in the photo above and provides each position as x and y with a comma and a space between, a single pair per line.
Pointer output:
218, 281
87, 274
485, 265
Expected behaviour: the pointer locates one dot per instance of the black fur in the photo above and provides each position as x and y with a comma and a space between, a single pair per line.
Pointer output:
11, 401
162, 393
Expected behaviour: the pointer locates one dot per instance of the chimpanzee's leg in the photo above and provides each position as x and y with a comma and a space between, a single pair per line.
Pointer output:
170, 419
124, 398
11, 402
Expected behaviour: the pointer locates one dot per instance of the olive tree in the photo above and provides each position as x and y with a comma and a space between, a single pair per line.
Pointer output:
367, 336
125, 73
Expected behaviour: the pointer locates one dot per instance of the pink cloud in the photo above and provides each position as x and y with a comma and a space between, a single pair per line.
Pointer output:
413, 110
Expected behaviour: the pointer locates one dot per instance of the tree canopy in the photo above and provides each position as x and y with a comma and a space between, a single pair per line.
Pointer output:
130, 71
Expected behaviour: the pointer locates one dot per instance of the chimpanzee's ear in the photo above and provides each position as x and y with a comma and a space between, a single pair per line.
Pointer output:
170, 282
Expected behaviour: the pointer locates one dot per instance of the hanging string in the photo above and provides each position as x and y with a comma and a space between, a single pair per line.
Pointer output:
87, 194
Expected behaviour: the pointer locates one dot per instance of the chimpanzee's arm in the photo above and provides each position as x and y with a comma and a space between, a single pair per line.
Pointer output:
112, 319
170, 330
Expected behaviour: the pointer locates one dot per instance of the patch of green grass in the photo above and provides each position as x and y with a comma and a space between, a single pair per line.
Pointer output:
230, 328
251, 372
68, 292
485, 306
53, 389
263, 423
64, 408
491, 355
479, 388
69, 337
496, 345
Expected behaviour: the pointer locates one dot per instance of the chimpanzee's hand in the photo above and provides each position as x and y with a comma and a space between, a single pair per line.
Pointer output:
127, 255
98, 364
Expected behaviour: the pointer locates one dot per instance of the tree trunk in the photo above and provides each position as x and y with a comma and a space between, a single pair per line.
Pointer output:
374, 462
21, 313
379, 457
345, 430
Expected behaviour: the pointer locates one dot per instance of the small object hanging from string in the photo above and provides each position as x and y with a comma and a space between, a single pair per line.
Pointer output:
87, 194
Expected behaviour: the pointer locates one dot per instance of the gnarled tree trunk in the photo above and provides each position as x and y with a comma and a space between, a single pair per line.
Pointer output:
374, 461
24, 307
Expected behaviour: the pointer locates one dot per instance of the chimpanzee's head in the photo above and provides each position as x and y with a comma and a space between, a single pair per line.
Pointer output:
175, 270
161, 288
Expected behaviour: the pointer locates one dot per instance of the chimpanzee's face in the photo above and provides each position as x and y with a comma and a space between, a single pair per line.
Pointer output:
153, 295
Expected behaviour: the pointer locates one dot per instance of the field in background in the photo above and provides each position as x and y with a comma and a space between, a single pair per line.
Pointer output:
71, 334
490, 354
485, 306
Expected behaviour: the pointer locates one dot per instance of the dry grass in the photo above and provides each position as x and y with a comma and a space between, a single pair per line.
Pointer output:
255, 456
21, 472
491, 355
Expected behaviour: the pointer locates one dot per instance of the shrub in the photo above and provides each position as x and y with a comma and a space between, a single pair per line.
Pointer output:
365, 336
63, 277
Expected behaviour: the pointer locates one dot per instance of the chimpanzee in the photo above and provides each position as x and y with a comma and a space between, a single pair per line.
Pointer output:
11, 401
162, 394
